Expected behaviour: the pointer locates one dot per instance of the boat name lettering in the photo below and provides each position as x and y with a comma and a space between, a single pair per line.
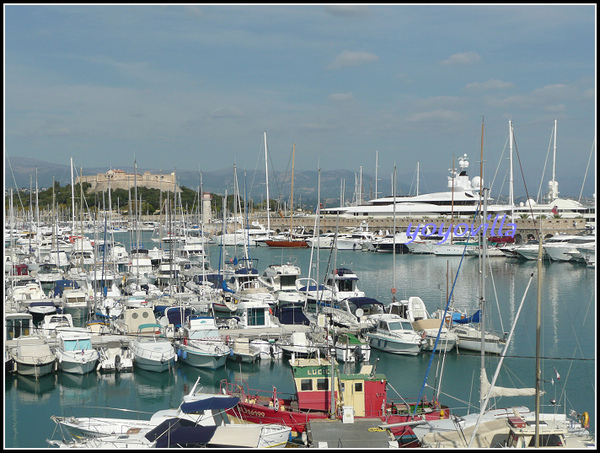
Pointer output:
461, 229
251, 412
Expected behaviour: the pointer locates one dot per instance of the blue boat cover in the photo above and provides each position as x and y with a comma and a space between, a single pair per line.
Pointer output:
291, 315
178, 431
187, 437
214, 403
362, 301
476, 317
60, 285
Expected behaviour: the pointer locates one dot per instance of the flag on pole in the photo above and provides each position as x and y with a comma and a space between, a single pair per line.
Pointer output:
557, 375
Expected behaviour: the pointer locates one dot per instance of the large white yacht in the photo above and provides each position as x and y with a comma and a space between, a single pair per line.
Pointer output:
461, 199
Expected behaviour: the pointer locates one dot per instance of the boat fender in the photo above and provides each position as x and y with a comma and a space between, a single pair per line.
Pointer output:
442, 413
585, 420
227, 339
118, 362
185, 341
423, 335
276, 404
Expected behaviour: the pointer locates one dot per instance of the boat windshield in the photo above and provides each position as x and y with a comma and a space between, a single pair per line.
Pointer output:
204, 335
77, 345
399, 325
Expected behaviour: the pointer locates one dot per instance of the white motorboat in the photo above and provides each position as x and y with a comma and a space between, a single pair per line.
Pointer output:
564, 247
74, 352
350, 348
298, 345
268, 349
114, 357
151, 350
254, 314
202, 346
242, 351
416, 313
32, 356
281, 280
49, 325
394, 334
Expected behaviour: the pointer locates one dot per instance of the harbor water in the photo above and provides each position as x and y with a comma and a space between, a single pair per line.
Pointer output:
568, 295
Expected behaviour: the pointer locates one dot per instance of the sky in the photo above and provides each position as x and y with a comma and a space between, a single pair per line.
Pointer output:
374, 86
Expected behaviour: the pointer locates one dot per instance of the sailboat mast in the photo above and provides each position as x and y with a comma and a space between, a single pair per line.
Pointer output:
394, 241
376, 168
267, 185
292, 189
511, 193
418, 175
72, 200
538, 328
553, 191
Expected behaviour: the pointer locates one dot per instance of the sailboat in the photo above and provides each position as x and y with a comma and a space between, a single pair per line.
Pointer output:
289, 240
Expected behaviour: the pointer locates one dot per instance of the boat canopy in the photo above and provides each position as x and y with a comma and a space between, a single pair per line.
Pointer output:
178, 431
475, 317
213, 403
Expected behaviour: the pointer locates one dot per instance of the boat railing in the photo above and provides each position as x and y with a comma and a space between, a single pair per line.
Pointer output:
241, 388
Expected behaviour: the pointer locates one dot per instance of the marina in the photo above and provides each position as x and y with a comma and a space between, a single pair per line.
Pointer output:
569, 347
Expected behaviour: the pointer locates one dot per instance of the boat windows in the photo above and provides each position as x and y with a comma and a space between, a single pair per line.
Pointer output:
323, 384
256, 316
547, 440
358, 386
306, 385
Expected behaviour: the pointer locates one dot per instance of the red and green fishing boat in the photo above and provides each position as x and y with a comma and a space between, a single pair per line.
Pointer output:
318, 396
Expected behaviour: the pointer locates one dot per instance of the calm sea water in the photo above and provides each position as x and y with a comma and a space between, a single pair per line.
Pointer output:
568, 334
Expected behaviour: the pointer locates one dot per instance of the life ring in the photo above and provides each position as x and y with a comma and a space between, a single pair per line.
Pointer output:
585, 420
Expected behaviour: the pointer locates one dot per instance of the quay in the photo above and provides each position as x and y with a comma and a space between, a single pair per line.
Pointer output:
526, 228
354, 433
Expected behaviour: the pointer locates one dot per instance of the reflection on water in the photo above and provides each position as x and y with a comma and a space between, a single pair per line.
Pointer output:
151, 386
77, 389
33, 390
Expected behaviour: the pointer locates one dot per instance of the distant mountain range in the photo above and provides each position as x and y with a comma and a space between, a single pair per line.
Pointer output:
21, 172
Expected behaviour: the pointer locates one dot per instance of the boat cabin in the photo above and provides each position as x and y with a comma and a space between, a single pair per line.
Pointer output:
253, 314
18, 325
522, 434
364, 391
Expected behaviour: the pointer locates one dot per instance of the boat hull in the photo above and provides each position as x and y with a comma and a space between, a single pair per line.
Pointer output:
35, 370
78, 367
156, 366
394, 346
287, 244
200, 359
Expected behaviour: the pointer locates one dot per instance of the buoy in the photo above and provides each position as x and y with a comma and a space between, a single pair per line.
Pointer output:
585, 420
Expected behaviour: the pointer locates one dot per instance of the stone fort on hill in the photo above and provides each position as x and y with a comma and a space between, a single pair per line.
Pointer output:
118, 179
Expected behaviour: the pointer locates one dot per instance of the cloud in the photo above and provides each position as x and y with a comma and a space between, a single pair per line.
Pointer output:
341, 97
548, 95
347, 10
492, 84
226, 112
348, 58
462, 58
434, 116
